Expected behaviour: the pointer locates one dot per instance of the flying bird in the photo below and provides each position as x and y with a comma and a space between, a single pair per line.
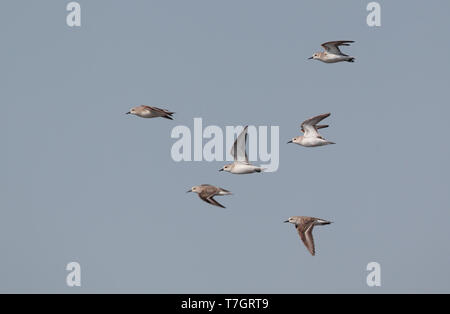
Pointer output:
311, 137
241, 165
305, 226
151, 112
332, 53
207, 192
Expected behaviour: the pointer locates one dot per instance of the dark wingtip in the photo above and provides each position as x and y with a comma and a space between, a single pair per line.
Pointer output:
219, 205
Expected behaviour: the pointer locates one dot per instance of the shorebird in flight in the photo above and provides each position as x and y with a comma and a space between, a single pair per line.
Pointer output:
207, 192
311, 137
241, 165
305, 226
332, 53
150, 112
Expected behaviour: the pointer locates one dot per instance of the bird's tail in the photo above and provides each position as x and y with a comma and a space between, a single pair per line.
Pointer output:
351, 59
224, 192
168, 115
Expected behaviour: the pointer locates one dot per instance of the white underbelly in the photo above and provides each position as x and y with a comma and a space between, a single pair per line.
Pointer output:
149, 115
243, 169
313, 142
331, 58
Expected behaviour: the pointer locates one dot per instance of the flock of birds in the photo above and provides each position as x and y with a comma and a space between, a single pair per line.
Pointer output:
241, 164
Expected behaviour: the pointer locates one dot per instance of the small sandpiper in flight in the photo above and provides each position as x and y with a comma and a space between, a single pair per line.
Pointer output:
305, 226
311, 137
332, 53
241, 165
151, 112
207, 192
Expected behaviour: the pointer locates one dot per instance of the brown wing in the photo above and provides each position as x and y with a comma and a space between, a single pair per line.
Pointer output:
163, 112
309, 126
212, 201
238, 150
209, 190
333, 46
208, 194
318, 127
316, 119
305, 231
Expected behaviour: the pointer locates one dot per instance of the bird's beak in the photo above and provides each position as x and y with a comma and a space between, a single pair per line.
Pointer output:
310, 58
286, 221
221, 169
129, 112
188, 191
289, 142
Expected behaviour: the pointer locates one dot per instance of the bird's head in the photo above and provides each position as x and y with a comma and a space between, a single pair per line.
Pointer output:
226, 168
315, 56
193, 189
295, 140
291, 220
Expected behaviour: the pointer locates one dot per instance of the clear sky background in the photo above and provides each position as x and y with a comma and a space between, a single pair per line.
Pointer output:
83, 182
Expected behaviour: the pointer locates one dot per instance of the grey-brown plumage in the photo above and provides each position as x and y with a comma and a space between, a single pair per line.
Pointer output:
241, 164
305, 226
207, 192
319, 126
311, 136
314, 120
332, 53
333, 46
151, 112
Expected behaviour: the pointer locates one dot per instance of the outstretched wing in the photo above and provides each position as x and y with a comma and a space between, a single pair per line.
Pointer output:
309, 127
208, 194
212, 201
156, 109
321, 126
305, 232
333, 46
238, 150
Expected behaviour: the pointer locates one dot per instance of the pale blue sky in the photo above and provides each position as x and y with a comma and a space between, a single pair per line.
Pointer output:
84, 182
